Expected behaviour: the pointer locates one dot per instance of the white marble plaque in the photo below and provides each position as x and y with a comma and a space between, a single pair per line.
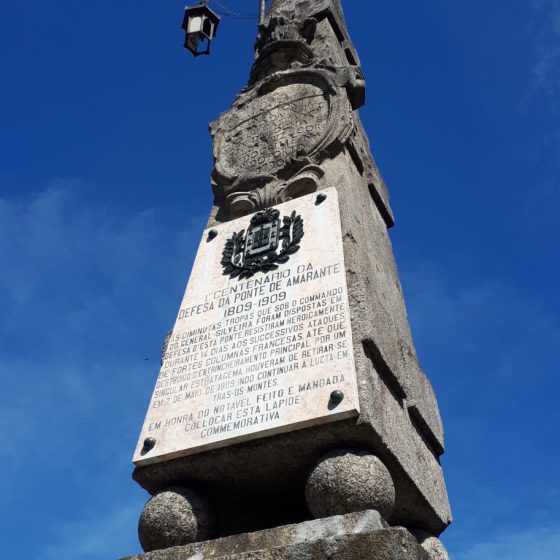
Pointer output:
262, 338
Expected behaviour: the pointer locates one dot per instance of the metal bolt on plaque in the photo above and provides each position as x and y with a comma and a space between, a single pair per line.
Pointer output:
149, 444
321, 197
336, 397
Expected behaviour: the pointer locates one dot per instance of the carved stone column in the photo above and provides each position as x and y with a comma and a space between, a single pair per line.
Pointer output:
295, 130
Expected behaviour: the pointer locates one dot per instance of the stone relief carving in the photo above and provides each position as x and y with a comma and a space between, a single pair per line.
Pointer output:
281, 45
275, 128
268, 243
296, 112
289, 121
252, 193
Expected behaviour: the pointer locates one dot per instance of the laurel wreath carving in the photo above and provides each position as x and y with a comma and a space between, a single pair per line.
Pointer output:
291, 234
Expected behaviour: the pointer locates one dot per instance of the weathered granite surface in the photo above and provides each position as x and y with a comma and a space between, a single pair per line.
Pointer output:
295, 130
432, 545
363, 535
174, 517
347, 481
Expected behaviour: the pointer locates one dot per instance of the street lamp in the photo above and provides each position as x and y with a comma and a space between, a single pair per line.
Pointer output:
201, 25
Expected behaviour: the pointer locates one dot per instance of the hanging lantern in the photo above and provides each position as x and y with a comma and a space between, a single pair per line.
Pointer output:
200, 24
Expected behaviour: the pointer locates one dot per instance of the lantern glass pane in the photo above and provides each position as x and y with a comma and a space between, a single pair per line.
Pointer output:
192, 43
195, 24
207, 28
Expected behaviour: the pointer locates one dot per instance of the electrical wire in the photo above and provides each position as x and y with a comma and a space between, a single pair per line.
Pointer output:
225, 11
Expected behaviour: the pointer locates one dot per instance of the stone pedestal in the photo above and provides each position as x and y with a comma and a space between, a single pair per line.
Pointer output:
358, 536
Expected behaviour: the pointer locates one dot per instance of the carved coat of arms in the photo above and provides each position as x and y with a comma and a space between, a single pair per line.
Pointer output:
268, 243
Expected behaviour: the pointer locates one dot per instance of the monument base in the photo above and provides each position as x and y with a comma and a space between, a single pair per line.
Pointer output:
364, 536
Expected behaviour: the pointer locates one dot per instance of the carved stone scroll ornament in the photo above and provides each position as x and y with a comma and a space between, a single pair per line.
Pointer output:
250, 194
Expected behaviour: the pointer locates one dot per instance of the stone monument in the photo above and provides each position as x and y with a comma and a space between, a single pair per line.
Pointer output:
291, 418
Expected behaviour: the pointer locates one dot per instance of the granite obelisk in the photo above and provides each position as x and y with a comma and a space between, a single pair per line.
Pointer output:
291, 418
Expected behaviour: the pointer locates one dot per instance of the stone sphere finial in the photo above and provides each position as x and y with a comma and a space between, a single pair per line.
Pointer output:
347, 481
174, 517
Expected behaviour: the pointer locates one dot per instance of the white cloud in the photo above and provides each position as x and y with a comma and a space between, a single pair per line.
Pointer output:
72, 264
445, 302
88, 292
99, 536
485, 322
547, 45
78, 276
492, 352
537, 543
489, 349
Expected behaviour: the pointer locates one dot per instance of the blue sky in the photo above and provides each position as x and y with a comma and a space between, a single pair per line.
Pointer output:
104, 189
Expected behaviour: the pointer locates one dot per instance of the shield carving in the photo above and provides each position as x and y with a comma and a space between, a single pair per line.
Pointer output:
268, 242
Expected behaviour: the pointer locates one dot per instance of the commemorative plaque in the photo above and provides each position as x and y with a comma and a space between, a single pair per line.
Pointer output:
262, 342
